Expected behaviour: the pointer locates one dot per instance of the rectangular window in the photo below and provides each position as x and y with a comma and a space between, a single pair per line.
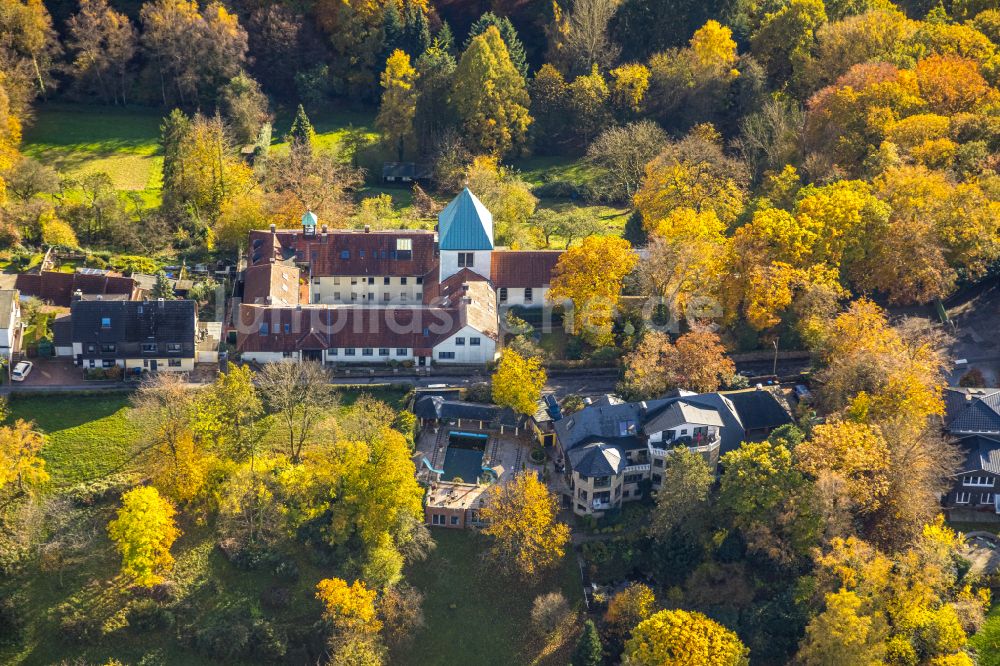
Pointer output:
446, 356
581, 493
173, 347
288, 328
367, 351
528, 295
437, 519
474, 342
386, 280
108, 348
345, 254
316, 297
466, 259
404, 244
336, 295
401, 351
283, 355
420, 280
974, 480
354, 280
963, 498
371, 296
315, 280
503, 294
361, 254
403, 295
105, 322
459, 342
625, 495
92, 363
336, 280
371, 280
383, 351
264, 330
454, 520
107, 364
386, 296
402, 280
354, 296
633, 478
349, 351
332, 352
657, 479
148, 347
986, 498
91, 349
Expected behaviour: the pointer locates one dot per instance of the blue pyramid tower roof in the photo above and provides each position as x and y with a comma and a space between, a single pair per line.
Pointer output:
309, 219
465, 224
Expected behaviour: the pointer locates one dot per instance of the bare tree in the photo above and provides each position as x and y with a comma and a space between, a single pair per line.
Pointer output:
585, 40
162, 409
301, 397
623, 152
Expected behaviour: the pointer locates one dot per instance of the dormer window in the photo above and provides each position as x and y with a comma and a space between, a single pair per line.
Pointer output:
105, 322
345, 254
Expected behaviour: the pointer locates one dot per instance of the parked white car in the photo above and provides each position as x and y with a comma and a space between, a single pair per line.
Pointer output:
21, 370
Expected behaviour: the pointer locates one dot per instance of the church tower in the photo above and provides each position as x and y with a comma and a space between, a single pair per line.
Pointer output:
465, 236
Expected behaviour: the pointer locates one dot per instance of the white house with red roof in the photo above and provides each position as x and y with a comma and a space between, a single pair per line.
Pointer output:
369, 297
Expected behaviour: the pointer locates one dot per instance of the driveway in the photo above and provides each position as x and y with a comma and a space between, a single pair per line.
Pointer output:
52, 372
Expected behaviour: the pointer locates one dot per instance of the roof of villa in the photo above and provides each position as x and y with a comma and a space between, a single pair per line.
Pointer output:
982, 415
680, 412
981, 454
465, 224
439, 407
276, 284
597, 459
758, 409
610, 418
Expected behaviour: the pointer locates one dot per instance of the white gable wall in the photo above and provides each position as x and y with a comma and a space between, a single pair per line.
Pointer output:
480, 263
479, 354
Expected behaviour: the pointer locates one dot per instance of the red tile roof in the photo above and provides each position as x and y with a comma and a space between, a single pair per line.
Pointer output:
368, 253
532, 268
58, 288
276, 284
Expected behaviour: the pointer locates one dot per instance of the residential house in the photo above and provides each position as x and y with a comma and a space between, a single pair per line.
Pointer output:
10, 323
435, 410
369, 297
134, 335
613, 450
62, 288
972, 416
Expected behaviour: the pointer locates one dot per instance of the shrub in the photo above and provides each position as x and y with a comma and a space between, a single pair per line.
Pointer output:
148, 615
276, 597
605, 355
12, 622
287, 570
548, 611
222, 637
479, 392
973, 379
78, 624
108, 488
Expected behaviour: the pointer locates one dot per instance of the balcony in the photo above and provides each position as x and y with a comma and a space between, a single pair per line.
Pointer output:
601, 505
633, 469
695, 445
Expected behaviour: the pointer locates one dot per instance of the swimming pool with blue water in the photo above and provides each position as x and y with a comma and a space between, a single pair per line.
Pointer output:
464, 457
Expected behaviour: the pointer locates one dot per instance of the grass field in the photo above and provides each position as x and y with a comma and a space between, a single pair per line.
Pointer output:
79, 140
475, 616
88, 436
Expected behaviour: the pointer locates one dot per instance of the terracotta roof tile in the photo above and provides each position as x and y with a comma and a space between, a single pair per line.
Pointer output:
58, 288
520, 269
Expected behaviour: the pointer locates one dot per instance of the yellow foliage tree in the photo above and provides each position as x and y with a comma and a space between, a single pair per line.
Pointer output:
399, 101
590, 275
518, 382
21, 468
854, 452
57, 232
684, 638
490, 96
520, 518
350, 609
629, 84
143, 533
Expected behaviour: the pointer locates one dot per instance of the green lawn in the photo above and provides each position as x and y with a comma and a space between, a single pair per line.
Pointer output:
539, 170
331, 128
88, 436
476, 616
77, 140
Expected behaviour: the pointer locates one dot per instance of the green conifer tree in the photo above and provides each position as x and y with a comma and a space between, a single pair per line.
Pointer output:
588, 650
162, 288
515, 48
302, 133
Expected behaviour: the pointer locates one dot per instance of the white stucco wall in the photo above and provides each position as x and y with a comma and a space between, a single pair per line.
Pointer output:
515, 296
338, 290
467, 353
449, 263
270, 357
339, 355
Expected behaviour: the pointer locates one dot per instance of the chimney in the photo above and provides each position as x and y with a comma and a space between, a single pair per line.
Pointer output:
588, 401
324, 233
274, 229
368, 229
465, 287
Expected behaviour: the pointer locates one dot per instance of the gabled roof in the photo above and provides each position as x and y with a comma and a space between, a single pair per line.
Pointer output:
523, 268
274, 284
465, 224
58, 288
610, 419
439, 407
597, 459
678, 413
982, 416
981, 454
133, 321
